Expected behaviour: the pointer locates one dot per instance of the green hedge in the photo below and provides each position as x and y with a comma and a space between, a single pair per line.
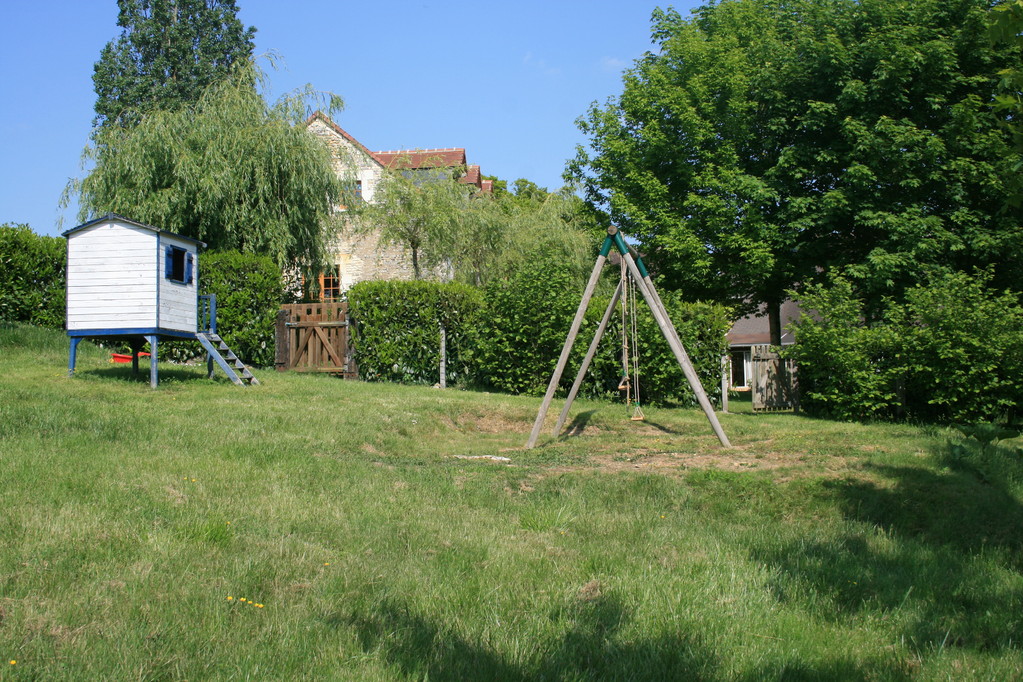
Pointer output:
249, 291
951, 352
396, 332
33, 271
523, 329
701, 327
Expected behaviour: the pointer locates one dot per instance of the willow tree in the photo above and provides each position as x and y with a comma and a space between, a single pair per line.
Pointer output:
229, 169
420, 211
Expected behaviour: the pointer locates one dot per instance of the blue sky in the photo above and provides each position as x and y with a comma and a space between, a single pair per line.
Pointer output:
504, 80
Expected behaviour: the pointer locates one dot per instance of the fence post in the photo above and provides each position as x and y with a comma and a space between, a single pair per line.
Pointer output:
725, 381
443, 356
282, 352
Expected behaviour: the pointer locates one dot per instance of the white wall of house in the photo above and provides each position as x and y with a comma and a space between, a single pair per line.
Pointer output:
359, 254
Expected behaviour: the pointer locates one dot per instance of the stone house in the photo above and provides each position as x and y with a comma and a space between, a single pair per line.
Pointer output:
363, 255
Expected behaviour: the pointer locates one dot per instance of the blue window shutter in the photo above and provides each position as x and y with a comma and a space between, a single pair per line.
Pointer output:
168, 263
188, 268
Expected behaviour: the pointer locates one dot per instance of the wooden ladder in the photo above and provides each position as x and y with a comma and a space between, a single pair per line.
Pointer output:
214, 345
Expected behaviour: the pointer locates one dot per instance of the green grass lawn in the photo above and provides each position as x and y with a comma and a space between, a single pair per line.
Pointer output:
315, 528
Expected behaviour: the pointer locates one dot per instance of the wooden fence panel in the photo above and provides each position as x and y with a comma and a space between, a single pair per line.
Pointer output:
773, 381
315, 337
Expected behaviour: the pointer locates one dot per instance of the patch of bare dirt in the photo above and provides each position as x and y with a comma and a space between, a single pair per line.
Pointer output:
490, 423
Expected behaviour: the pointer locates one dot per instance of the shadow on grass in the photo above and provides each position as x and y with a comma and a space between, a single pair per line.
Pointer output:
661, 427
168, 373
589, 649
578, 425
940, 557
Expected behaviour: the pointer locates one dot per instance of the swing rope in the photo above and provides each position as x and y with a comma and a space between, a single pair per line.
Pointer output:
630, 357
637, 413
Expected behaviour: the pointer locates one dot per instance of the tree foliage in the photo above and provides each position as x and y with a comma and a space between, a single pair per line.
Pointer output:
229, 169
419, 210
168, 52
765, 143
453, 229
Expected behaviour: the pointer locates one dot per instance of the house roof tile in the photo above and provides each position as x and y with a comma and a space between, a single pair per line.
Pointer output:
414, 159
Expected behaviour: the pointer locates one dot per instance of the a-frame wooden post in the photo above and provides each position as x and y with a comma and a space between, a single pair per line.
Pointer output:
660, 313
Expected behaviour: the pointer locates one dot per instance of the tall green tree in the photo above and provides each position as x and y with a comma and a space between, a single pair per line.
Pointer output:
168, 52
229, 169
766, 142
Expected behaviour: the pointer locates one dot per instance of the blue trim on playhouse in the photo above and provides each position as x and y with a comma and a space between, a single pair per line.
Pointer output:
135, 331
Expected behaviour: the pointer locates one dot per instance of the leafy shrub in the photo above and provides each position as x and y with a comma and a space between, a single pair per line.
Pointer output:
33, 275
249, 290
701, 327
396, 333
527, 317
951, 352
844, 366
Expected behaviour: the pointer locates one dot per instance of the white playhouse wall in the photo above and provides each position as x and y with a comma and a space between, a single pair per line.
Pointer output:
116, 280
111, 278
178, 301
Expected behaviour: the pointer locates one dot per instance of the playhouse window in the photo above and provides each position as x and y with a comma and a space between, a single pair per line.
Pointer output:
179, 265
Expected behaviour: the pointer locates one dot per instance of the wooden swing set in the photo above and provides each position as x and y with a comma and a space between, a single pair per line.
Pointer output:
634, 278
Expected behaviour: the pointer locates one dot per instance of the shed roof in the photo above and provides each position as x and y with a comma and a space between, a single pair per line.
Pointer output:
112, 217
756, 329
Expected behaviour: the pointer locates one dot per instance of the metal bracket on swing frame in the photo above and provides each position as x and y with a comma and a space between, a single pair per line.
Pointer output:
646, 287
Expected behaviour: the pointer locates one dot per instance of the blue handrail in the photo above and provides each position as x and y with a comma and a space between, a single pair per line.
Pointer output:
208, 313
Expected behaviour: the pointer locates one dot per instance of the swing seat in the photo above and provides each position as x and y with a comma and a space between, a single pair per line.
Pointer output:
625, 384
637, 415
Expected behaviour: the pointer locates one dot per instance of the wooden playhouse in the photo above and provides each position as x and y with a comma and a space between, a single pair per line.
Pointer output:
134, 282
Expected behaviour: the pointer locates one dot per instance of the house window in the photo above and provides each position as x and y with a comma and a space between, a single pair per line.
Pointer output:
740, 368
179, 265
358, 190
330, 284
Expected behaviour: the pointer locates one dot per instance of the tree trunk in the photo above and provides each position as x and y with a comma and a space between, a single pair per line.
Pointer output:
774, 321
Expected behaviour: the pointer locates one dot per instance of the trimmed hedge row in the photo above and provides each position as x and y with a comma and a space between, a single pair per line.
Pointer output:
508, 337
33, 271
397, 331
249, 292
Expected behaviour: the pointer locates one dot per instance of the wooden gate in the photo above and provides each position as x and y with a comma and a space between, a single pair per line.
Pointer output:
314, 337
773, 381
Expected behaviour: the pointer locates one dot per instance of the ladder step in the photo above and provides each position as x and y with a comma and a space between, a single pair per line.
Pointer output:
214, 345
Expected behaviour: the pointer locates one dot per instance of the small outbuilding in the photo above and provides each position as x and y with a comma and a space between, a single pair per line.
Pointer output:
137, 282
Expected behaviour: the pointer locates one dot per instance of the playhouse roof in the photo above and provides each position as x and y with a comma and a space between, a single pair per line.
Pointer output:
109, 217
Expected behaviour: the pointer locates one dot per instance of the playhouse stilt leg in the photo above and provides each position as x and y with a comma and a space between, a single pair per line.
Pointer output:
154, 377
136, 348
591, 285
589, 358
73, 355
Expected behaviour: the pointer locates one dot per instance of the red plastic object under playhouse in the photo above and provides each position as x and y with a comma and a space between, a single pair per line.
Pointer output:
122, 357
